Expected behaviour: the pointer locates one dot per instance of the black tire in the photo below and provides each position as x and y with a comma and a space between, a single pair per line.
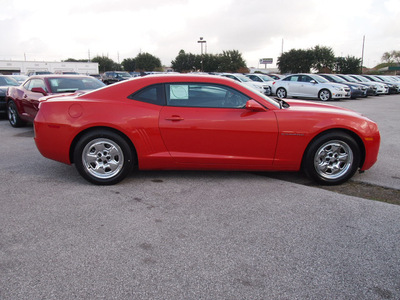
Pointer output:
324, 95
332, 158
13, 116
103, 157
281, 93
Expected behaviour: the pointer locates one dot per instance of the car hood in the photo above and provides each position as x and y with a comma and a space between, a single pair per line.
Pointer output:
307, 106
335, 85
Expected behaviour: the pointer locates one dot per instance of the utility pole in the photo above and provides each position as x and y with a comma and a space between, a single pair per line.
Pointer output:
362, 54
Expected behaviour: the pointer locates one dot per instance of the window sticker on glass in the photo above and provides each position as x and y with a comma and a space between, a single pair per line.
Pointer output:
179, 92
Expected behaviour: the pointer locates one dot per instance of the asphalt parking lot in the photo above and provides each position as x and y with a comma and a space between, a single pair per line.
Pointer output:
196, 235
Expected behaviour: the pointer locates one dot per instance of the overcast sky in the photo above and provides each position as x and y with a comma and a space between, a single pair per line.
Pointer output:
56, 30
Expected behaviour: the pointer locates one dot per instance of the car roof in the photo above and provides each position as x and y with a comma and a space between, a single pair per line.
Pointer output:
58, 76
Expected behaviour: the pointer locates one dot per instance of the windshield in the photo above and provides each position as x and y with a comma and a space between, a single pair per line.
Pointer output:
387, 79
8, 81
68, 84
337, 78
124, 75
242, 78
266, 78
319, 79
360, 78
349, 78
378, 79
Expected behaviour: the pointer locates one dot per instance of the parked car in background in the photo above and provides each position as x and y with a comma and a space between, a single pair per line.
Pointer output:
381, 88
276, 76
5, 82
33, 73
393, 87
371, 87
114, 76
267, 80
357, 90
201, 122
19, 78
309, 86
22, 101
391, 79
261, 87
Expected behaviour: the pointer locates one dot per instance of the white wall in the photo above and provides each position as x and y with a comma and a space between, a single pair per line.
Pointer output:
23, 67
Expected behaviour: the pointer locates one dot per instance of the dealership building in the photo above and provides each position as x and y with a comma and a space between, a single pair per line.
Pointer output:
25, 67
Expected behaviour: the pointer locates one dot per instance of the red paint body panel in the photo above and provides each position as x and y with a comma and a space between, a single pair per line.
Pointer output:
168, 137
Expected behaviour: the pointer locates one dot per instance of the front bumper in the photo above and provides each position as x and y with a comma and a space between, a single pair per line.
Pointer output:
341, 95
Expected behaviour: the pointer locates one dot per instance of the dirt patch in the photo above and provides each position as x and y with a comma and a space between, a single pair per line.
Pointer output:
366, 191
350, 188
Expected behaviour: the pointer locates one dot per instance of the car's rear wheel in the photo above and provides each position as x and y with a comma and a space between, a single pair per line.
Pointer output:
13, 116
332, 158
281, 93
324, 95
103, 157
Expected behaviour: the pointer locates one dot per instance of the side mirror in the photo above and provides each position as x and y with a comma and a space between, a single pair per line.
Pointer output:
313, 81
254, 106
39, 90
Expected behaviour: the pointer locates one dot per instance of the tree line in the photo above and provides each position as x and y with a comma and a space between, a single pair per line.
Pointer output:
319, 58
227, 61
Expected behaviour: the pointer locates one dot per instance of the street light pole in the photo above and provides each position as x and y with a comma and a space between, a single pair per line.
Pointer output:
201, 41
362, 54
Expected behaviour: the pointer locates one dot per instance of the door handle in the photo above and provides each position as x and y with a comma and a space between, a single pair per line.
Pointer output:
174, 118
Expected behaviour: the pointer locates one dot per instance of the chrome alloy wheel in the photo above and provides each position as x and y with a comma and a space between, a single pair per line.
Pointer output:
333, 159
324, 95
281, 93
102, 158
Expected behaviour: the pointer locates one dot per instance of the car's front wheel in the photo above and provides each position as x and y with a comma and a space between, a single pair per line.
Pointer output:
281, 93
324, 95
103, 157
13, 116
332, 158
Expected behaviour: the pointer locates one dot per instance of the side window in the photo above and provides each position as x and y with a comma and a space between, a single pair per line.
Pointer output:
306, 78
204, 95
153, 94
36, 83
291, 78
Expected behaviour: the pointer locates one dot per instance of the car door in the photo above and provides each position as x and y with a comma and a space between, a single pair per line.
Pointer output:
207, 125
308, 87
293, 85
30, 100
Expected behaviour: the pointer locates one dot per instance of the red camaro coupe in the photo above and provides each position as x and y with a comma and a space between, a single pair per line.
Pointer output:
195, 122
22, 101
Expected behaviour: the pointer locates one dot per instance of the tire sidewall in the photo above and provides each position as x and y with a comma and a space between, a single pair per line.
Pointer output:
116, 138
308, 162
